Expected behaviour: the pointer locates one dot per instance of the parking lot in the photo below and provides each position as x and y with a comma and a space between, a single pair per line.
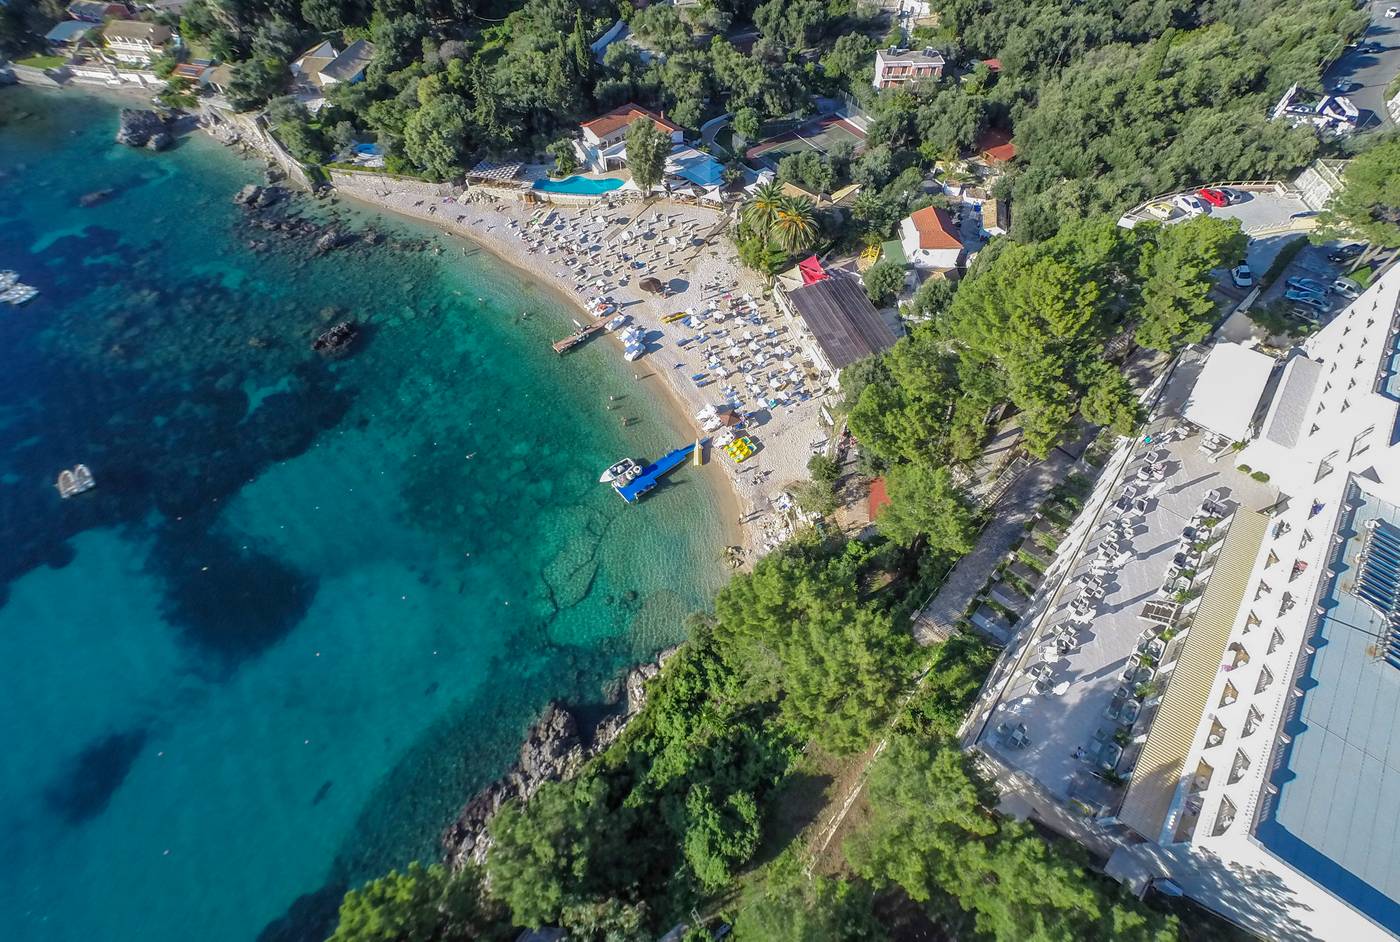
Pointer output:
1373, 68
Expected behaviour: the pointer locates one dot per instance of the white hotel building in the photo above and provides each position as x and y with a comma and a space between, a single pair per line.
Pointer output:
1268, 787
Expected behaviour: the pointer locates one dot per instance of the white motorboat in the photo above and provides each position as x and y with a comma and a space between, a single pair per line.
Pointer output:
633, 352
75, 481
624, 470
618, 322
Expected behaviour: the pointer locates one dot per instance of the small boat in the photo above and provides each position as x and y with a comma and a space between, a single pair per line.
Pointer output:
624, 470
619, 322
18, 294
74, 481
633, 352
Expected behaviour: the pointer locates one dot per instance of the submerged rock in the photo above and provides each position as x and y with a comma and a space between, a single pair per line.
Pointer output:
336, 341
138, 128
333, 238
95, 197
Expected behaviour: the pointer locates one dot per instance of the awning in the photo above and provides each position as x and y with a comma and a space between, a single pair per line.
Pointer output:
811, 270
1228, 391
1158, 771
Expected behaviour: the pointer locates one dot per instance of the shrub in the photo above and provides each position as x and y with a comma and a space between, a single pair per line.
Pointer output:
1260, 476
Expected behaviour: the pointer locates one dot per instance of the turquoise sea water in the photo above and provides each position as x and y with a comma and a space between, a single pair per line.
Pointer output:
310, 606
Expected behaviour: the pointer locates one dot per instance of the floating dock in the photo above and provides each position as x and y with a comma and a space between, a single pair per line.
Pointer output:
578, 337
652, 473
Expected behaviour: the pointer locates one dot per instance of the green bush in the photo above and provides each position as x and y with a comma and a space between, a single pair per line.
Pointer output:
1260, 476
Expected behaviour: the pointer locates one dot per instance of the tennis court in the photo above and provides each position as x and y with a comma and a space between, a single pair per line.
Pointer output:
818, 135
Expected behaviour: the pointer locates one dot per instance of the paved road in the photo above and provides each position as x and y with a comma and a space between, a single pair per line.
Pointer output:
1374, 70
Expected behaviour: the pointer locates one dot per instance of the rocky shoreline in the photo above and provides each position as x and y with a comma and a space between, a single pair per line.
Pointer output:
144, 129
553, 751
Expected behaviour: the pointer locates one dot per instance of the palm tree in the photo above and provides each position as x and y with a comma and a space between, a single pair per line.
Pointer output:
760, 211
795, 224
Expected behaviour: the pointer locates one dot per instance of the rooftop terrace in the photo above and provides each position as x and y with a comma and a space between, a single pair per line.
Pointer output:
1338, 780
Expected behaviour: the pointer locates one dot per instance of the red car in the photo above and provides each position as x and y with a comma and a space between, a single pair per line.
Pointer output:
1214, 197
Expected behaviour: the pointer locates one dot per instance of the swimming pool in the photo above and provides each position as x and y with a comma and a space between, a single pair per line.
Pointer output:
581, 186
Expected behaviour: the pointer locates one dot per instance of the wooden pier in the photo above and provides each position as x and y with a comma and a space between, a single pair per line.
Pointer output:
578, 337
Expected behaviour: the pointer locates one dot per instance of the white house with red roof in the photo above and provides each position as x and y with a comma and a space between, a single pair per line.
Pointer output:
930, 240
604, 143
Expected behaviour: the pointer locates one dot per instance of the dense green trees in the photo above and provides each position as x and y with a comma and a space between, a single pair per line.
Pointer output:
924, 502
933, 834
1175, 272
792, 907
1124, 122
421, 904
1368, 205
883, 282
559, 853
797, 625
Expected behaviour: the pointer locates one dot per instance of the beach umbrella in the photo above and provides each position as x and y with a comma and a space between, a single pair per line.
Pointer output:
652, 285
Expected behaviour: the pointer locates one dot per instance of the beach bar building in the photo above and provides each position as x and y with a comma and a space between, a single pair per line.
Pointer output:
834, 317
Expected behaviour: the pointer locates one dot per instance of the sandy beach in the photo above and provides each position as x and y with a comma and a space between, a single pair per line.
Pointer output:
737, 348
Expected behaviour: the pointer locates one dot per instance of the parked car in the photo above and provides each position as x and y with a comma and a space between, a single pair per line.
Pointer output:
1213, 196
1346, 288
1160, 210
1392, 12
1234, 196
1308, 299
1242, 276
1345, 87
1190, 205
1307, 284
1346, 253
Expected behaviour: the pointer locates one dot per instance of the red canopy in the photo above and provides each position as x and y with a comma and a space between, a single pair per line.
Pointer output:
811, 270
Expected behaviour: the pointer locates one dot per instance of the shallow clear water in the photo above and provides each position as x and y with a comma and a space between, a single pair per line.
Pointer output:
311, 605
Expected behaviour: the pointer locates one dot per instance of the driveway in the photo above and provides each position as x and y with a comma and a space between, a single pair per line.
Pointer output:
1374, 70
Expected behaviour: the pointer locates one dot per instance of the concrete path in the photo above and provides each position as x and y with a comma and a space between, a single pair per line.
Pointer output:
1011, 515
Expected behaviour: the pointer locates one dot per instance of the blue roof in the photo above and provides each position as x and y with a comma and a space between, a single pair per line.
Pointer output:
1339, 779
67, 31
701, 169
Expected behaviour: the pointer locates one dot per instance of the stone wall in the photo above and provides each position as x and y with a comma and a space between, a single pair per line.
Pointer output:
369, 183
232, 128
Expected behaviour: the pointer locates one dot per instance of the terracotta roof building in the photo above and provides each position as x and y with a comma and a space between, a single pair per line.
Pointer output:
604, 145
930, 239
996, 147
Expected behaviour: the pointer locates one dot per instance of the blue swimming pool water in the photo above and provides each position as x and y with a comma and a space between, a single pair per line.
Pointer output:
582, 186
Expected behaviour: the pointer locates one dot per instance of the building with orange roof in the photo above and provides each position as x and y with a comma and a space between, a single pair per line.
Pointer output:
604, 145
996, 147
930, 240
